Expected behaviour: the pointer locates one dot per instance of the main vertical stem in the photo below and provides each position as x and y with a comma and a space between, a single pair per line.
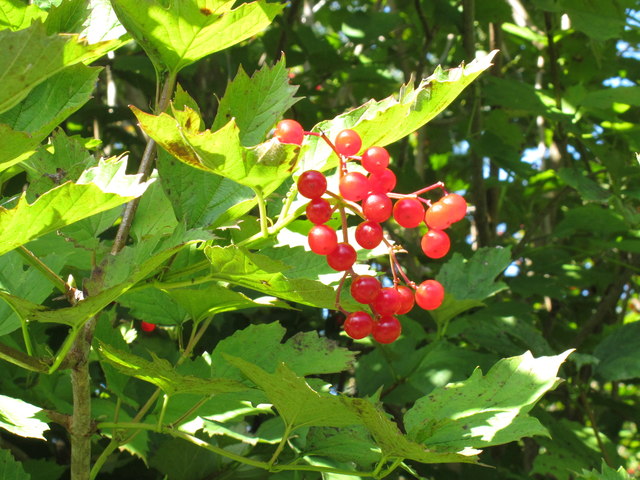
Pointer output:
80, 427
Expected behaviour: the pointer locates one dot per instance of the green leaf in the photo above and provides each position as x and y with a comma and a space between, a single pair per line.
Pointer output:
589, 190
162, 374
605, 473
10, 469
305, 353
256, 102
15, 146
570, 448
263, 167
154, 215
23, 282
386, 121
619, 354
178, 33
180, 460
344, 444
200, 198
592, 219
297, 403
213, 299
394, 444
101, 294
16, 14
25, 64
64, 159
19, 418
485, 410
263, 274
467, 282
153, 306
53, 100
98, 189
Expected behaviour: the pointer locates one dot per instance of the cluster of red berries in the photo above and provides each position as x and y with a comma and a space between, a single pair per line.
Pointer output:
370, 197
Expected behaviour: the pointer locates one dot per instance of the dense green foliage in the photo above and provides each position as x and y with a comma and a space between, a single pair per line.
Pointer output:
533, 117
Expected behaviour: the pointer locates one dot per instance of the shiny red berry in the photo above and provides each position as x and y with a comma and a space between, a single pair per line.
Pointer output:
369, 234
289, 131
430, 294
348, 142
383, 182
377, 207
322, 239
408, 212
365, 289
342, 257
318, 211
354, 186
456, 205
435, 243
438, 216
375, 159
388, 302
312, 184
387, 329
358, 325
147, 327
408, 299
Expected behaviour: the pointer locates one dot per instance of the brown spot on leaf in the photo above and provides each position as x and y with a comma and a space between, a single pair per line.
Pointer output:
205, 11
183, 152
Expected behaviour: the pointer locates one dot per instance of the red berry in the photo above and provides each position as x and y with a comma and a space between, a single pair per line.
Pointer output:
147, 327
289, 131
319, 211
354, 186
377, 207
430, 294
342, 257
348, 142
369, 234
438, 216
435, 243
358, 325
365, 289
312, 184
383, 182
456, 205
408, 212
387, 329
408, 299
322, 239
388, 301
375, 159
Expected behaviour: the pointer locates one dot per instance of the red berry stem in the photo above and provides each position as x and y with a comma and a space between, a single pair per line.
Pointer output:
343, 220
429, 188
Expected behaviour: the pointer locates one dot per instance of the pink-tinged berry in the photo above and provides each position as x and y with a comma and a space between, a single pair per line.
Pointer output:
319, 211
375, 159
348, 142
438, 216
383, 182
354, 186
342, 257
408, 212
387, 329
435, 243
408, 299
430, 294
377, 207
388, 302
312, 184
322, 239
147, 327
365, 289
358, 325
289, 131
369, 234
457, 206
